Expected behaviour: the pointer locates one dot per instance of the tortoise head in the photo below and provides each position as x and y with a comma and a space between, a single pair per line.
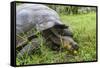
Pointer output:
66, 39
69, 44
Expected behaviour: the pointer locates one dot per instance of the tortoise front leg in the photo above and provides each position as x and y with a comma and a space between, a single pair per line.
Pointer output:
30, 48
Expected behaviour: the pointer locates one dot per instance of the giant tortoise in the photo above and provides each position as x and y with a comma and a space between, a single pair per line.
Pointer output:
43, 20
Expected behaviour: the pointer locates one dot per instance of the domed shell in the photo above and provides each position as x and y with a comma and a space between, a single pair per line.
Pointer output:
36, 16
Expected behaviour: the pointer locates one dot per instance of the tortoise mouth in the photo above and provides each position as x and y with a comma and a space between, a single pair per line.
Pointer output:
70, 47
72, 50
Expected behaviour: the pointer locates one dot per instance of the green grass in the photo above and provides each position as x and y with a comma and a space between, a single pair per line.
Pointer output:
84, 29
